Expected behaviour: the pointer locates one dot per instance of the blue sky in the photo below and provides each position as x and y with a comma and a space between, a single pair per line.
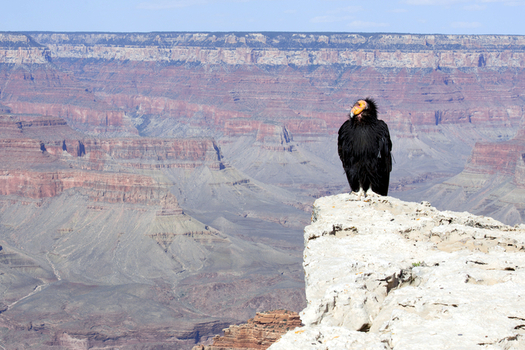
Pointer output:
396, 16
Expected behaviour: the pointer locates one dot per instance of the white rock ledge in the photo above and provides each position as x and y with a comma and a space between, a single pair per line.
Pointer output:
388, 274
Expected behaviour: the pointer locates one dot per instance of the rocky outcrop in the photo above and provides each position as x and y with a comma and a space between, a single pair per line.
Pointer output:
43, 128
102, 119
387, 274
18, 48
257, 334
499, 157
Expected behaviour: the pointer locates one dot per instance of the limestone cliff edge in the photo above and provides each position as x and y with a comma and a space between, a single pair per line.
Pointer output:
388, 274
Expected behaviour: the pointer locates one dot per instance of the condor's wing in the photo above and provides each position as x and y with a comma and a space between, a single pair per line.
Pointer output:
344, 144
385, 147
381, 180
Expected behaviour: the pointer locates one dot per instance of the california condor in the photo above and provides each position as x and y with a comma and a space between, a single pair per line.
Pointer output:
364, 147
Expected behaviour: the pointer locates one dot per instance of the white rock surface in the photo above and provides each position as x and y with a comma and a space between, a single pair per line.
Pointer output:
388, 274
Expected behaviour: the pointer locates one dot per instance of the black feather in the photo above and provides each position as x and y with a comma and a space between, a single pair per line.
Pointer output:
365, 147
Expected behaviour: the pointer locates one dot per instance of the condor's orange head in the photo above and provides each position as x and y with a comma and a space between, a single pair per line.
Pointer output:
359, 106
364, 110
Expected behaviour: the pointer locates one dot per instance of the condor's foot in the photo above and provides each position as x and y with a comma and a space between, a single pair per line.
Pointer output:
361, 194
364, 196
369, 194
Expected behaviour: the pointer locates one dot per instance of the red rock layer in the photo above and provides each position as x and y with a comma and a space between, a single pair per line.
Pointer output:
100, 119
41, 160
236, 102
489, 157
504, 158
45, 90
139, 153
39, 140
99, 187
258, 333
21, 125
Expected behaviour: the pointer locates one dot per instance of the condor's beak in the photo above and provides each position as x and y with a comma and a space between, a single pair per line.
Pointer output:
358, 108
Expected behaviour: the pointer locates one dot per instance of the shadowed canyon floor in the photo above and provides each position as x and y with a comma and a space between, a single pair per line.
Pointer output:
163, 180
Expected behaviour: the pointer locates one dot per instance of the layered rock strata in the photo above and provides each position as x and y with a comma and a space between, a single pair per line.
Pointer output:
258, 333
397, 50
28, 137
43, 157
387, 274
440, 94
162, 74
99, 187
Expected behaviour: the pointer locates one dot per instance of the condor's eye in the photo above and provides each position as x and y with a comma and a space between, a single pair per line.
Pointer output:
361, 104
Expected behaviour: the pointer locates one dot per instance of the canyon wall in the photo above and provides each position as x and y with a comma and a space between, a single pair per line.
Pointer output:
419, 79
439, 94
368, 50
